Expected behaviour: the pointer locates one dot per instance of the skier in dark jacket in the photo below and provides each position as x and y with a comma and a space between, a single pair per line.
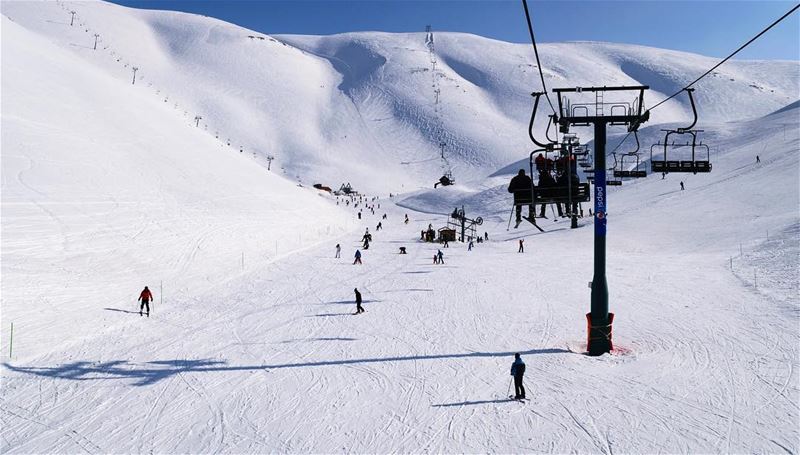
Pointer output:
359, 309
358, 258
521, 186
518, 371
547, 181
146, 297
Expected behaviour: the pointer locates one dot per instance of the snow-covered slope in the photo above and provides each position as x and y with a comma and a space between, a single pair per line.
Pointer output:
106, 187
706, 358
105, 190
317, 103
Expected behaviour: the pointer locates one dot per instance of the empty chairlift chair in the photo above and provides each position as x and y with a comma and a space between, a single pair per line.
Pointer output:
696, 155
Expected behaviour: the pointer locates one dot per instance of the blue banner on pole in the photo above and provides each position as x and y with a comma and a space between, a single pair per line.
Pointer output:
600, 202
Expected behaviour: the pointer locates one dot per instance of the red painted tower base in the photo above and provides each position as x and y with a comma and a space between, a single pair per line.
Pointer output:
599, 340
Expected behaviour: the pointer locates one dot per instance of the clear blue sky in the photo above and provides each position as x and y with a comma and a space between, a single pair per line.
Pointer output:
713, 28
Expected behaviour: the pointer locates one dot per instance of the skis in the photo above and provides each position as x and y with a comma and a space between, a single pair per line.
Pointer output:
532, 220
521, 400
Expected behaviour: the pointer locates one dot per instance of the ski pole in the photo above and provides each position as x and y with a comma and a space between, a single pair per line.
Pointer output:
11, 341
509, 387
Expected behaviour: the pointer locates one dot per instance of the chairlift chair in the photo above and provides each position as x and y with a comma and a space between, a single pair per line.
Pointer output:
622, 172
692, 165
445, 180
558, 194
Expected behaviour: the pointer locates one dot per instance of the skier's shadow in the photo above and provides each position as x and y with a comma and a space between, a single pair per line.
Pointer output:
349, 302
121, 311
471, 403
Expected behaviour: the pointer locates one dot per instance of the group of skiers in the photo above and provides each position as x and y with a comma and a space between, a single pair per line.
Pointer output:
552, 174
517, 368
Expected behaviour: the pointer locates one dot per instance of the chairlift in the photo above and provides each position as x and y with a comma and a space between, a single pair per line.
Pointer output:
580, 152
556, 194
612, 182
693, 165
622, 172
445, 180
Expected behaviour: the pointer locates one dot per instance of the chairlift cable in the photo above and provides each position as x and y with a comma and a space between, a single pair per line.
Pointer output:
622, 141
728, 57
536, 52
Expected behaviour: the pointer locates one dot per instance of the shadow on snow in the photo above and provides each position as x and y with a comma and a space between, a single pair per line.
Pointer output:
151, 372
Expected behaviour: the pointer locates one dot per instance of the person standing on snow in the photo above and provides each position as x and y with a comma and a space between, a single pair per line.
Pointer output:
146, 297
682, 186
521, 246
338, 251
359, 309
518, 371
358, 258
440, 256
469, 246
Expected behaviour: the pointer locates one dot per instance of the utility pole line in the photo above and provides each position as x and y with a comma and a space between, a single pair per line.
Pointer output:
95, 40
135, 69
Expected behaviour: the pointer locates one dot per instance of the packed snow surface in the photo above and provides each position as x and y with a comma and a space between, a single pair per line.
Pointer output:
251, 345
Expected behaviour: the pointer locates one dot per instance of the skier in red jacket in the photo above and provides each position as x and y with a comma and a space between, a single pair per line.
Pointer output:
146, 297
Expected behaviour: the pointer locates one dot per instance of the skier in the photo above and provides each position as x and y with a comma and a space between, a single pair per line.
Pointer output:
485, 236
406, 221
359, 214
359, 309
338, 251
546, 181
440, 256
358, 258
540, 163
518, 371
521, 246
758, 159
435, 258
521, 186
682, 186
446, 244
469, 246
380, 225
146, 296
